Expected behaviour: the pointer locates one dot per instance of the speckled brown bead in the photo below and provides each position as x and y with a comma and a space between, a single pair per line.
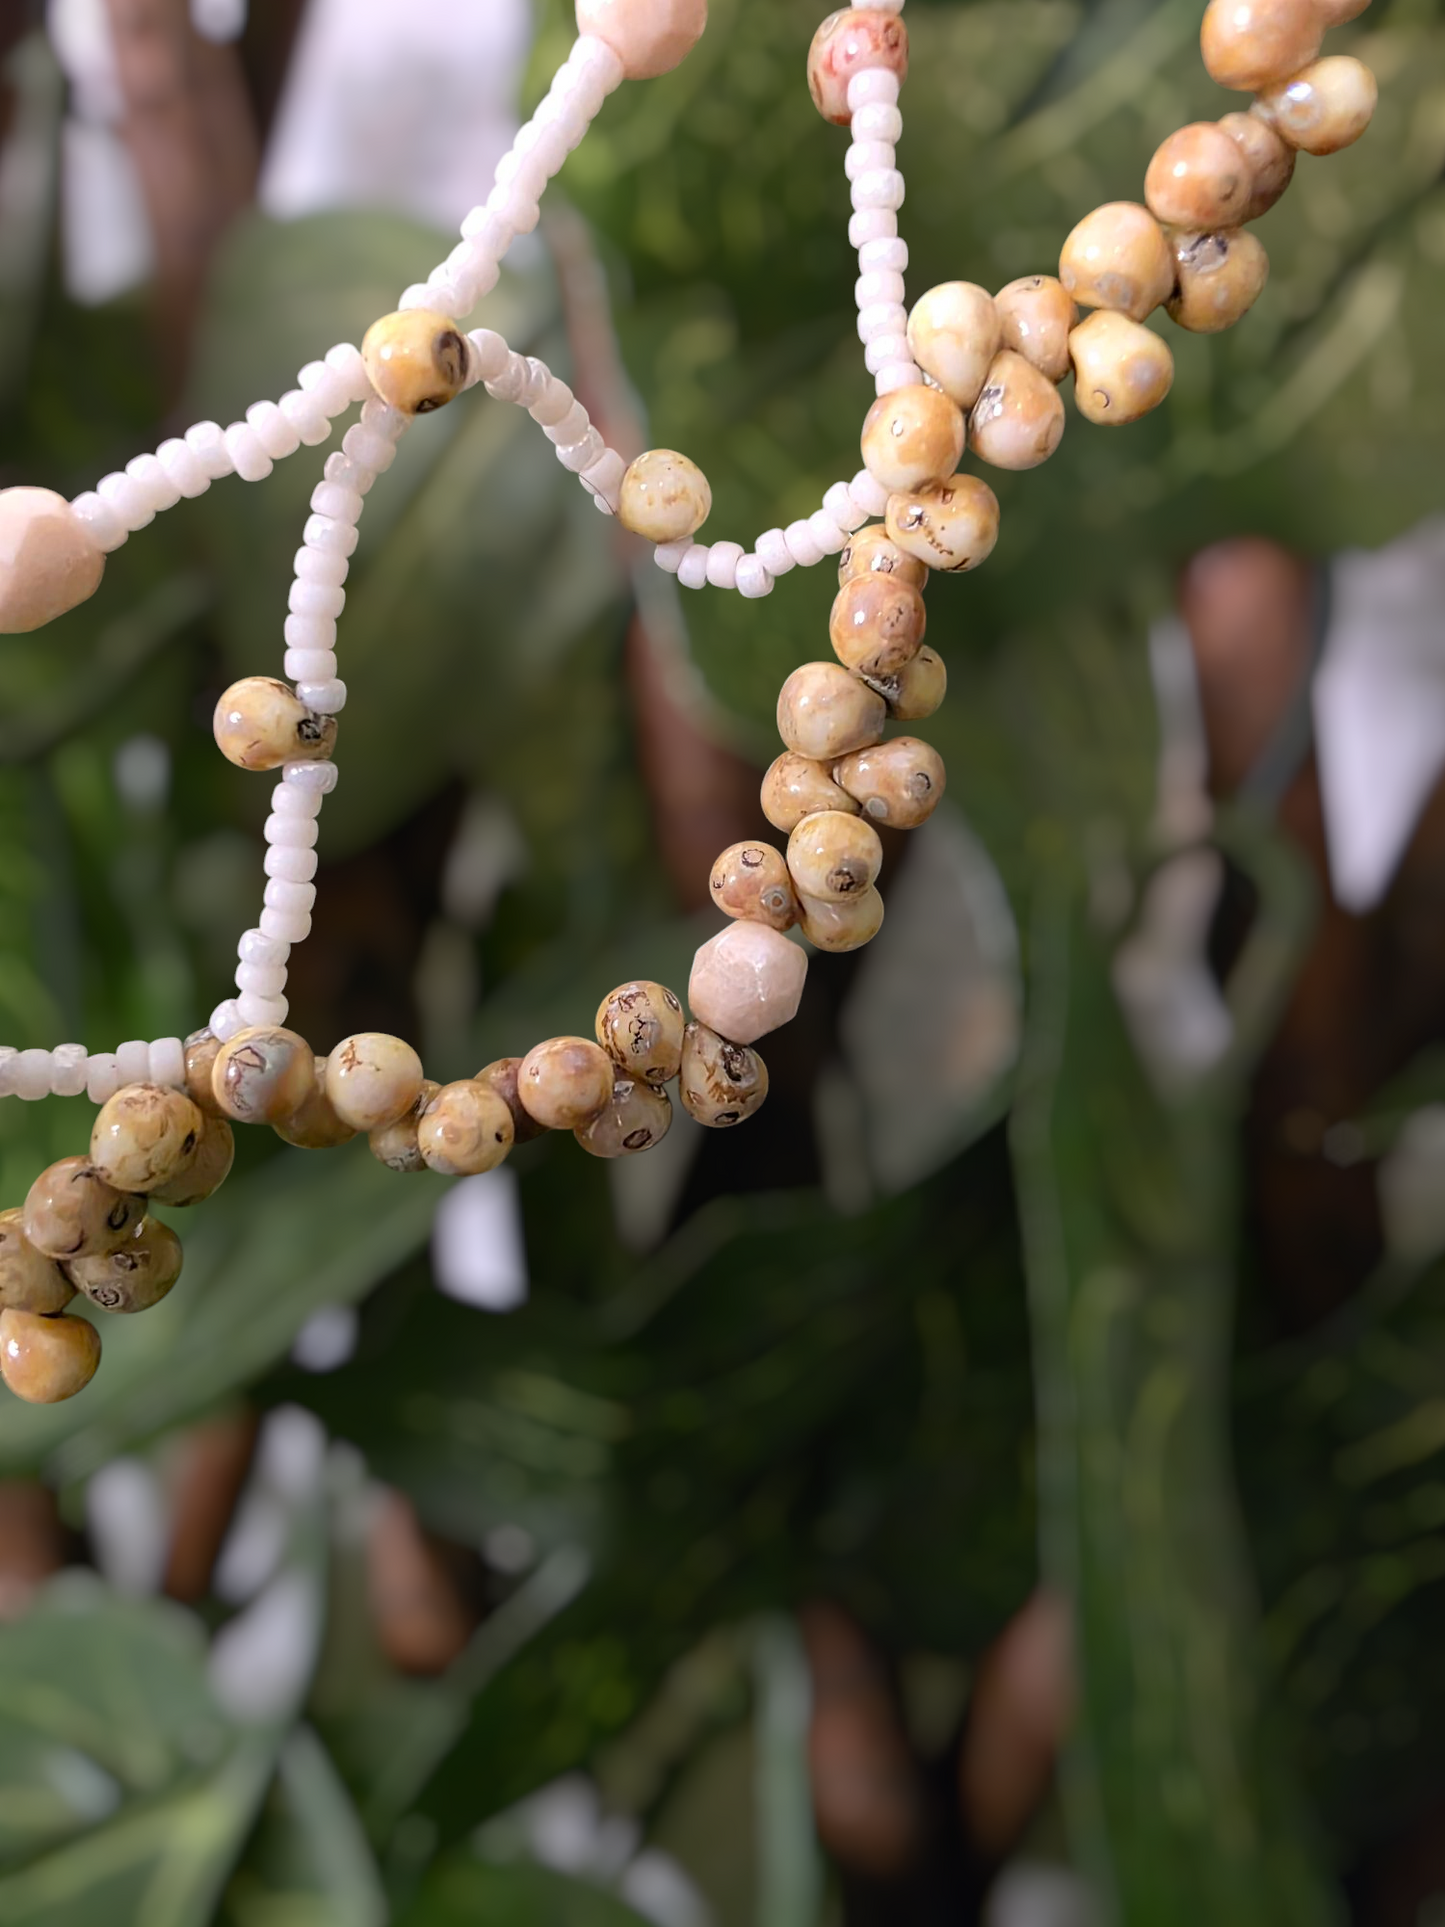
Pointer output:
1324, 108
1117, 257
845, 44
1249, 43
795, 786
634, 1118
721, 1083
416, 360
1198, 178
954, 334
664, 496
395, 1145
202, 1048
872, 548
951, 526
71, 1212
1221, 276
900, 783
912, 436
877, 624
833, 856
1121, 368
1035, 315
565, 1081
208, 1169
372, 1079
1018, 420
823, 712
260, 724
29, 1281
834, 926
263, 1075
918, 690
1271, 161
465, 1130
144, 1136
640, 1026
44, 1360
501, 1076
751, 880
316, 1127
137, 1275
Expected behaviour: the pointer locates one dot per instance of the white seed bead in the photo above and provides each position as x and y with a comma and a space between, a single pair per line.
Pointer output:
520, 209
309, 665
337, 502
67, 1070
882, 349
421, 294
368, 449
106, 528
521, 169
872, 224
102, 1077
306, 415
315, 599
299, 899
326, 698
289, 801
291, 832
250, 459
888, 255
882, 318
554, 404
181, 464
32, 1075
345, 361
9, 1057
272, 430
580, 456
874, 87
226, 1019
316, 565
880, 121
897, 374
597, 61
804, 547
879, 187
133, 1060
722, 564
773, 552
692, 572
826, 533
128, 498
207, 442
355, 476
168, 1062
488, 233
291, 866
255, 947
490, 353
310, 632
327, 387
878, 286
161, 491
669, 555
266, 980
604, 478
284, 926
868, 157
257, 1011
844, 510
754, 578
563, 430
508, 385
320, 779
869, 493
330, 537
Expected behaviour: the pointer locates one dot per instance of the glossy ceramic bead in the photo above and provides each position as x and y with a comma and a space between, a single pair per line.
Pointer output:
1117, 257
722, 1083
954, 333
951, 526
640, 1026
665, 497
49, 561
872, 549
833, 926
464, 1131
794, 787
823, 712
372, 1079
261, 724
849, 42
316, 1126
416, 361
1035, 315
501, 1076
635, 1118
1270, 160
877, 624
1121, 368
29, 1281
1221, 276
71, 1212
1247, 44
746, 981
912, 436
751, 880
834, 856
44, 1360
1198, 178
1323, 109
144, 1136
1018, 419
900, 783
918, 690
650, 37
263, 1075
565, 1082
137, 1275
396, 1145
209, 1167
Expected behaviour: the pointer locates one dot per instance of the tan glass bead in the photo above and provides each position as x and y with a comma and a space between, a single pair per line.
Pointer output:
316, 1127
465, 1130
871, 548
823, 712
1221, 276
794, 787
261, 724
137, 1275
877, 624
417, 361
1121, 368
839, 927
918, 690
634, 1118
71, 1212
1249, 43
372, 1079
912, 436
747, 980
29, 1281
722, 1083
1271, 161
395, 1145
565, 1082
208, 1169
650, 37
849, 41
751, 880
263, 1075
1117, 257
665, 497
1325, 108
501, 1076
1018, 419
202, 1048
640, 1026
1198, 178
954, 333
49, 561
44, 1360
833, 856
951, 526
144, 1136
900, 783
1035, 315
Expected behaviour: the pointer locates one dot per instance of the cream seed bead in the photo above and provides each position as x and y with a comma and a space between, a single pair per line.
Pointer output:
722, 1083
640, 1026
46, 1360
71, 1211
900, 783
208, 1169
751, 880
207, 442
746, 981
167, 1062
917, 690
913, 436
664, 496
864, 156
872, 224
49, 560
102, 525
322, 599
878, 286
882, 321
880, 121
267, 980
261, 724
877, 623
326, 698
184, 470
649, 37
325, 534
1221, 276
373, 1079
133, 1059
309, 666
830, 538
102, 1076
635, 1118
896, 375
226, 1021
144, 1136
841, 926
1198, 178
773, 552
263, 1074
1324, 108
874, 549
950, 526
129, 500
833, 855
315, 1126
883, 349
795, 786
954, 333
292, 866
847, 44
465, 1130
29, 1281
306, 415
248, 457
272, 430
868, 492
31, 1075
1018, 419
319, 565
882, 187
692, 570
823, 712
722, 564
298, 897
260, 1013
1270, 160
754, 578
286, 926
293, 830
337, 501
136, 1277
255, 947
161, 492
1122, 369
564, 1082
68, 1068
1117, 257
1247, 44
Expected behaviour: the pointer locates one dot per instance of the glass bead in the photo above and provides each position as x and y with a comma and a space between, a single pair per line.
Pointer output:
261, 724
849, 42
664, 496
417, 361
746, 981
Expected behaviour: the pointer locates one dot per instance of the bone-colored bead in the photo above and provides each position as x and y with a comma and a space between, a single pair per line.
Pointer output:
208, 1169
635, 1118
951, 526
502, 1077
1121, 368
640, 1026
834, 926
71, 1212
261, 724
746, 981
911, 436
954, 333
29, 1281
751, 880
873, 549
416, 361
1035, 315
850, 42
1117, 257
564, 1082
823, 712
900, 783
464, 1131
144, 1136
396, 1145
1018, 420
1323, 109
316, 1127
372, 1079
665, 497
722, 1083
795, 786
44, 1360
49, 560
877, 624
136, 1276
834, 856
918, 690
1198, 178
1221, 276
1247, 44
263, 1075
650, 37
201, 1048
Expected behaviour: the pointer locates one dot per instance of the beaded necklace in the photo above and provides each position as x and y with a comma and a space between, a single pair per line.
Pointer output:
964, 369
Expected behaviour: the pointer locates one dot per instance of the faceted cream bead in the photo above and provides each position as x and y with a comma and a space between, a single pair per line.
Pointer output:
263, 1075
1198, 178
261, 724
823, 712
201, 1049
746, 981
564, 1082
751, 880
722, 1083
144, 1136
1121, 368
1323, 109
208, 1169
464, 1131
136, 1276
850, 42
70, 1211
45, 1360
794, 787
1221, 276
1249, 43
316, 1127
634, 1118
1035, 315
49, 561
950, 525
1117, 257
834, 856
502, 1077
396, 1145
877, 623
872, 548
372, 1080
834, 926
29, 1281
900, 783
417, 361
664, 496
1270, 160
649, 37
954, 333
640, 1026
912, 436
918, 690
1018, 420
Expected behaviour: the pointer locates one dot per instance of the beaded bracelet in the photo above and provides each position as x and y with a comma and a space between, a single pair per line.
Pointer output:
963, 369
